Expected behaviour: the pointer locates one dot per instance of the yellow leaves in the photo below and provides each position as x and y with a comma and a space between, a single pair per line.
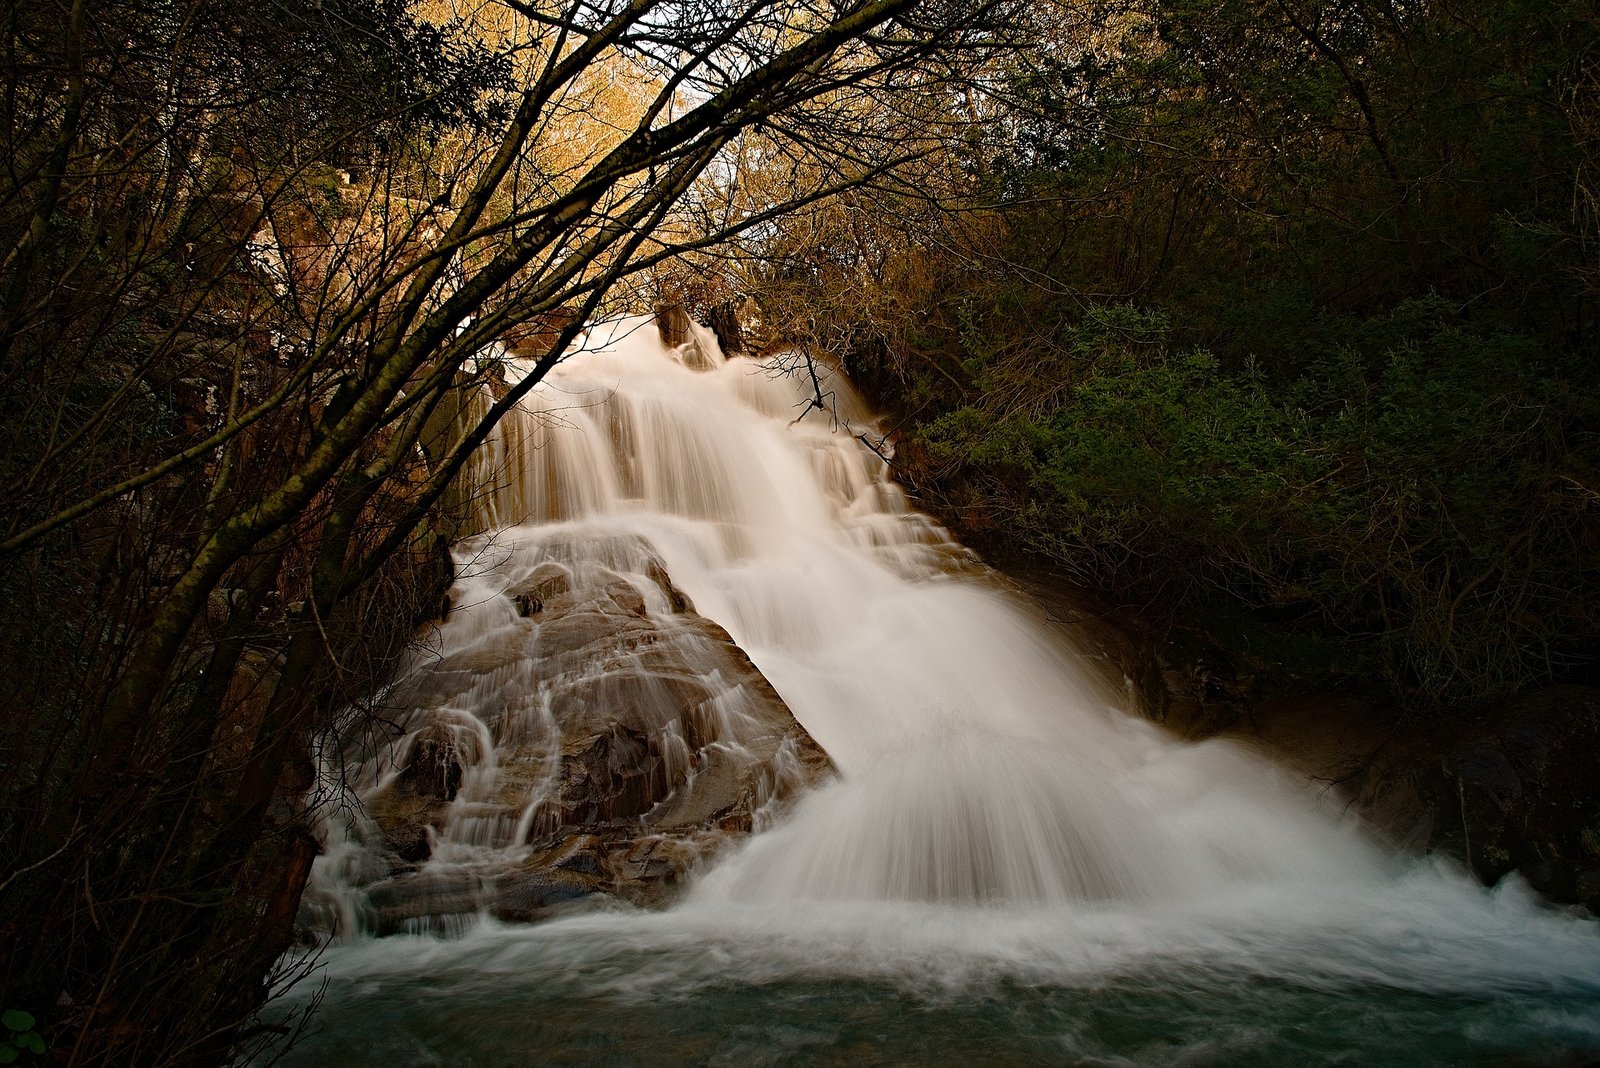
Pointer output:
593, 115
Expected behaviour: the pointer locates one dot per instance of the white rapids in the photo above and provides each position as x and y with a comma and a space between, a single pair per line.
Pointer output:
982, 760
998, 814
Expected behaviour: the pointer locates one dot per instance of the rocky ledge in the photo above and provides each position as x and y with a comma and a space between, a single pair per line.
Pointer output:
601, 738
1514, 792
1509, 789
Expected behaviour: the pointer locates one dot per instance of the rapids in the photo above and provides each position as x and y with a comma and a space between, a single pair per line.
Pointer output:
1009, 868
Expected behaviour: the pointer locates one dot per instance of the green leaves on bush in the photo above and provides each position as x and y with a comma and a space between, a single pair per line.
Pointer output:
21, 1038
1412, 493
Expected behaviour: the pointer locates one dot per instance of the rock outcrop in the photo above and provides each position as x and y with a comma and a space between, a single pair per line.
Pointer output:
1513, 791
1518, 792
651, 742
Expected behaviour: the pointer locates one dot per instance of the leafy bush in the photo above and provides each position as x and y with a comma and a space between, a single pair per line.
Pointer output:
21, 1039
1414, 495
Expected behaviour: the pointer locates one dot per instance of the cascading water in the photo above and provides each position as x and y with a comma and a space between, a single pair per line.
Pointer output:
1008, 868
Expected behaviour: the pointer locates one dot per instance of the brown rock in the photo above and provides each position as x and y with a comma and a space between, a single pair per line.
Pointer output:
672, 323
534, 893
416, 901
433, 768
1519, 793
676, 598
403, 820
546, 582
626, 596
654, 768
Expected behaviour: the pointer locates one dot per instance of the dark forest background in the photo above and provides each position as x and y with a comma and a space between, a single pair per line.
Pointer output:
1270, 319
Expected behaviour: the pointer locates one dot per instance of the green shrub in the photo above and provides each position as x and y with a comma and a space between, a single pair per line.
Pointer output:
1411, 495
22, 1041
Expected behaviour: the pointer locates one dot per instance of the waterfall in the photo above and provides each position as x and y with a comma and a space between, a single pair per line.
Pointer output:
998, 814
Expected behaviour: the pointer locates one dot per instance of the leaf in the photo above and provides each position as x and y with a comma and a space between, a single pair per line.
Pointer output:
17, 1020
33, 1042
8, 1053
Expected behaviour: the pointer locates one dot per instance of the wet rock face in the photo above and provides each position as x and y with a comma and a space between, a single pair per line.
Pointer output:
604, 738
549, 582
402, 825
616, 776
672, 741
1521, 793
434, 769
1514, 792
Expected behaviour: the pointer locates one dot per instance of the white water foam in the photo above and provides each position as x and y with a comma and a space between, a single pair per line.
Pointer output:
997, 812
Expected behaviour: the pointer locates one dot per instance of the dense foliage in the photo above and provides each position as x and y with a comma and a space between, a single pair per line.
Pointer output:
1409, 495
1284, 329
